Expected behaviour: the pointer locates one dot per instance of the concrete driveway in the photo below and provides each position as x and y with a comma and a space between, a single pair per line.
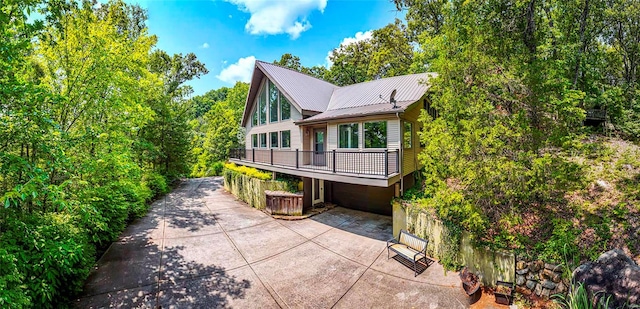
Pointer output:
201, 248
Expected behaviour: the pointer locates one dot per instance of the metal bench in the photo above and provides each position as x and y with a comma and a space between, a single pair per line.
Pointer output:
408, 246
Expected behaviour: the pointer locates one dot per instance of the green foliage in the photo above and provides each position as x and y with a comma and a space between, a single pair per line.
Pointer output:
84, 97
579, 298
562, 244
291, 181
52, 253
156, 183
217, 132
217, 168
248, 171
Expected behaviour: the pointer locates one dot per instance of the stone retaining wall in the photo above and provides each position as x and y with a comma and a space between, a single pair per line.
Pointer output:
540, 278
530, 277
249, 189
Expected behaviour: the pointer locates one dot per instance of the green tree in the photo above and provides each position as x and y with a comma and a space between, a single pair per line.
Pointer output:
220, 130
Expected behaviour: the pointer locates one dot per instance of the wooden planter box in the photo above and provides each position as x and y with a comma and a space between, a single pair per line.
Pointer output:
504, 293
284, 203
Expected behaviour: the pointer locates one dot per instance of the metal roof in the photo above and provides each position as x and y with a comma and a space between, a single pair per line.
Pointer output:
308, 92
313, 95
359, 111
408, 88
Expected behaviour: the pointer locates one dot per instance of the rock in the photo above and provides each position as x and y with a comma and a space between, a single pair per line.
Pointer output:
523, 271
536, 266
521, 265
552, 267
520, 280
613, 273
538, 290
532, 276
556, 277
545, 293
603, 185
531, 284
560, 288
547, 274
548, 285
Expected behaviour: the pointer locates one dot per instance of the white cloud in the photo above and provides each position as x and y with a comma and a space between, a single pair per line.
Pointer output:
239, 71
360, 36
205, 45
276, 17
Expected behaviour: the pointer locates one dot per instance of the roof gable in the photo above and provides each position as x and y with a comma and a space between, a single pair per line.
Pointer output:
305, 92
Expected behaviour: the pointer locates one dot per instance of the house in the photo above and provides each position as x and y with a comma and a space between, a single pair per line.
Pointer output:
355, 146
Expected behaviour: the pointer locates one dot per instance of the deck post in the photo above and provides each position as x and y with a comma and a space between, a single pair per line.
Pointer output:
397, 160
297, 159
271, 156
386, 162
334, 160
253, 155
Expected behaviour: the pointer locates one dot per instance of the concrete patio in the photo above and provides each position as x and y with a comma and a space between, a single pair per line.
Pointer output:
201, 248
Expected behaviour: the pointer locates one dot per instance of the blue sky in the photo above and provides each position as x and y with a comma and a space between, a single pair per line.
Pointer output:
227, 35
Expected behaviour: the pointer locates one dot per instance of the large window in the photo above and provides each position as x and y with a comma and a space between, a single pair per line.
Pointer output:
408, 134
254, 118
348, 135
274, 139
273, 102
285, 137
375, 134
254, 140
285, 108
262, 105
263, 140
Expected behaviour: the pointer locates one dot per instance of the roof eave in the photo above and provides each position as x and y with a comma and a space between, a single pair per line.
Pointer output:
316, 121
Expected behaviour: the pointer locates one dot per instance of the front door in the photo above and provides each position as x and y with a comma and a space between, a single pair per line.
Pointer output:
319, 153
317, 191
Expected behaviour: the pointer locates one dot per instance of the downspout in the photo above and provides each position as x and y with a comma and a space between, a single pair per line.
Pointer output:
401, 151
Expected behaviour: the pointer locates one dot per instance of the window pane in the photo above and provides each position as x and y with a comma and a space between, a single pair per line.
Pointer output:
254, 118
348, 135
263, 140
273, 102
407, 135
285, 108
262, 105
274, 139
286, 139
375, 134
254, 142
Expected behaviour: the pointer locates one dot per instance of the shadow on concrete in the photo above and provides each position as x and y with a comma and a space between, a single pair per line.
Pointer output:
358, 222
421, 266
193, 285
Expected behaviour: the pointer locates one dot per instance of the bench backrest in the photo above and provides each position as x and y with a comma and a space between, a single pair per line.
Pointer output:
413, 241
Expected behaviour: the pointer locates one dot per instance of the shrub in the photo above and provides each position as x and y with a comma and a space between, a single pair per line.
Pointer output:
216, 169
52, 253
249, 171
13, 292
156, 183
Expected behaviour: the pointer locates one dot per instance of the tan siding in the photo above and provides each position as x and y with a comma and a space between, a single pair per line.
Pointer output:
332, 136
393, 134
276, 127
409, 159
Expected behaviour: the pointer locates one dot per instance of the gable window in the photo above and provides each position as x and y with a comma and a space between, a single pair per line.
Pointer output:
285, 137
263, 140
254, 118
274, 139
375, 134
262, 105
273, 102
408, 134
254, 140
348, 135
285, 108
